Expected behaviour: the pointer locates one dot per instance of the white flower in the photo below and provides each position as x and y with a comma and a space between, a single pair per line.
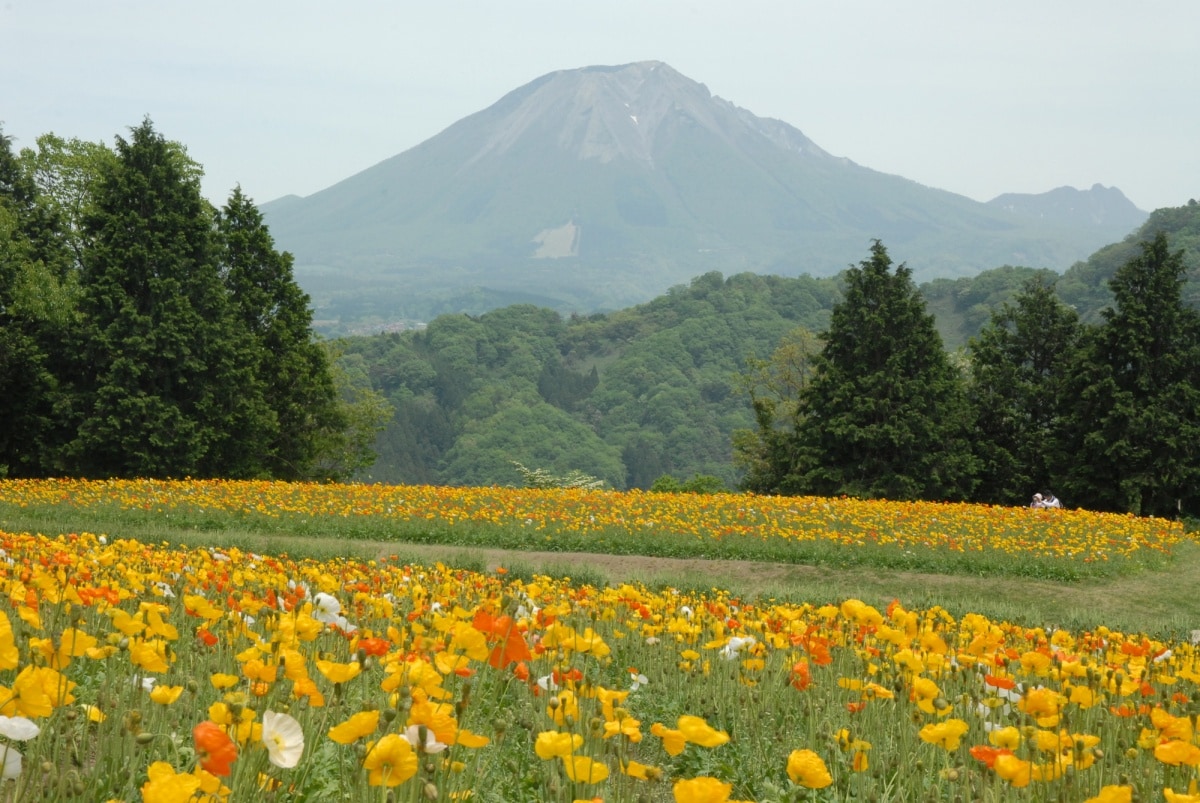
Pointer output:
412, 735
18, 728
547, 683
652, 640
638, 679
147, 683
736, 644
1162, 656
986, 712
686, 611
284, 739
326, 608
12, 762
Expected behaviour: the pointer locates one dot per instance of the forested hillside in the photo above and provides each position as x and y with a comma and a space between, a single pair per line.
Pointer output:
657, 389
962, 306
627, 396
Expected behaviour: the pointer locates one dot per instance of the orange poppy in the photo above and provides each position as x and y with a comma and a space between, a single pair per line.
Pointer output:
988, 754
502, 631
801, 677
214, 749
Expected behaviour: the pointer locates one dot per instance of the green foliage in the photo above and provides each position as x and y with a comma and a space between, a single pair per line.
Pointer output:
531, 432
67, 173
1085, 286
170, 390
885, 414
627, 396
698, 484
361, 414
774, 388
1019, 365
962, 307
294, 370
1134, 430
144, 333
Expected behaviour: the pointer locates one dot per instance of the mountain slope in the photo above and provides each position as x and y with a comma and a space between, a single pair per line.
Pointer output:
601, 187
1100, 206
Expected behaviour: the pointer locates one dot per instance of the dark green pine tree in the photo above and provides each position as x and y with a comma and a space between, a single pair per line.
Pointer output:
171, 387
885, 414
293, 368
1134, 442
1019, 363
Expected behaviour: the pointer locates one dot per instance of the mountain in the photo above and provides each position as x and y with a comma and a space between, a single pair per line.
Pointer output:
1102, 207
601, 187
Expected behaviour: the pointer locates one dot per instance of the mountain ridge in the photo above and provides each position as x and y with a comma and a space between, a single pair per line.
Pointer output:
640, 179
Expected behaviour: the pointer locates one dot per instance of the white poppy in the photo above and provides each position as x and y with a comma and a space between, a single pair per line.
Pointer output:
18, 728
412, 734
326, 608
283, 738
12, 762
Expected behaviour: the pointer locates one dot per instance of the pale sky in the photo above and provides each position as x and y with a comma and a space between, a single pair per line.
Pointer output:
291, 96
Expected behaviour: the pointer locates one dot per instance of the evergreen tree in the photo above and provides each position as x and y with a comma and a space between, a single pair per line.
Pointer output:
1019, 363
168, 393
1135, 435
885, 414
294, 371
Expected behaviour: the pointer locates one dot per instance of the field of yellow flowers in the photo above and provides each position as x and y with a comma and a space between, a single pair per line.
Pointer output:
132, 670
925, 536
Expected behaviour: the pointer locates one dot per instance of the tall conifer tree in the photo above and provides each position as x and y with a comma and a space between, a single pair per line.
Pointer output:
274, 312
169, 387
884, 414
1019, 363
1135, 438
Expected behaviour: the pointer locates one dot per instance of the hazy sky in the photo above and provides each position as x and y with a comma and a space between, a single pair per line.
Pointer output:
291, 96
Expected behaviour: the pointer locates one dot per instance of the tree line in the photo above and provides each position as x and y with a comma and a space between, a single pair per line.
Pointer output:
1107, 414
145, 333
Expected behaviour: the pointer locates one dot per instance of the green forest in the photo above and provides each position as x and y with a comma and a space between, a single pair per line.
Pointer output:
144, 332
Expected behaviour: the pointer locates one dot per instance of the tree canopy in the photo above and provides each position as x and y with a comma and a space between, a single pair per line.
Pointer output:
885, 414
145, 333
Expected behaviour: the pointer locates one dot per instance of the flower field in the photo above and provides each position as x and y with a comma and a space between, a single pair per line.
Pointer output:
140, 671
940, 537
